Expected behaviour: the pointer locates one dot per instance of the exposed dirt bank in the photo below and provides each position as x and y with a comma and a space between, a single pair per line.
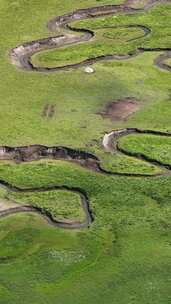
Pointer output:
85, 159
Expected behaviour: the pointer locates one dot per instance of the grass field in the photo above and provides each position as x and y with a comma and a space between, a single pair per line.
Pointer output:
124, 257
129, 238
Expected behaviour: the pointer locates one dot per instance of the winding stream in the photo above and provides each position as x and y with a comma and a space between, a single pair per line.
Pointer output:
89, 161
21, 55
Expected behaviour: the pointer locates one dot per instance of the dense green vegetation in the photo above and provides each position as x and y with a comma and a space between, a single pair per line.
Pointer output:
62, 205
124, 257
120, 163
155, 147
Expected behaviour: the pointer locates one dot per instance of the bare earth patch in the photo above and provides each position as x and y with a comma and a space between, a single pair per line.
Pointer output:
120, 109
6, 205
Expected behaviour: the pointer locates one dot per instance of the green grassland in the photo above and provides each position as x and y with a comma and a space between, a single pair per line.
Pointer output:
125, 255
77, 104
125, 251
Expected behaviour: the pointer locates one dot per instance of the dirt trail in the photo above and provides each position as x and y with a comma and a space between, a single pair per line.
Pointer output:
21, 55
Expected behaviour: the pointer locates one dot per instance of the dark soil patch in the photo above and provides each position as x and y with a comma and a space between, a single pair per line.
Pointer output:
120, 109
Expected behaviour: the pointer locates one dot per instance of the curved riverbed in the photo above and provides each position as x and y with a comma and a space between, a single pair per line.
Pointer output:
21, 55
